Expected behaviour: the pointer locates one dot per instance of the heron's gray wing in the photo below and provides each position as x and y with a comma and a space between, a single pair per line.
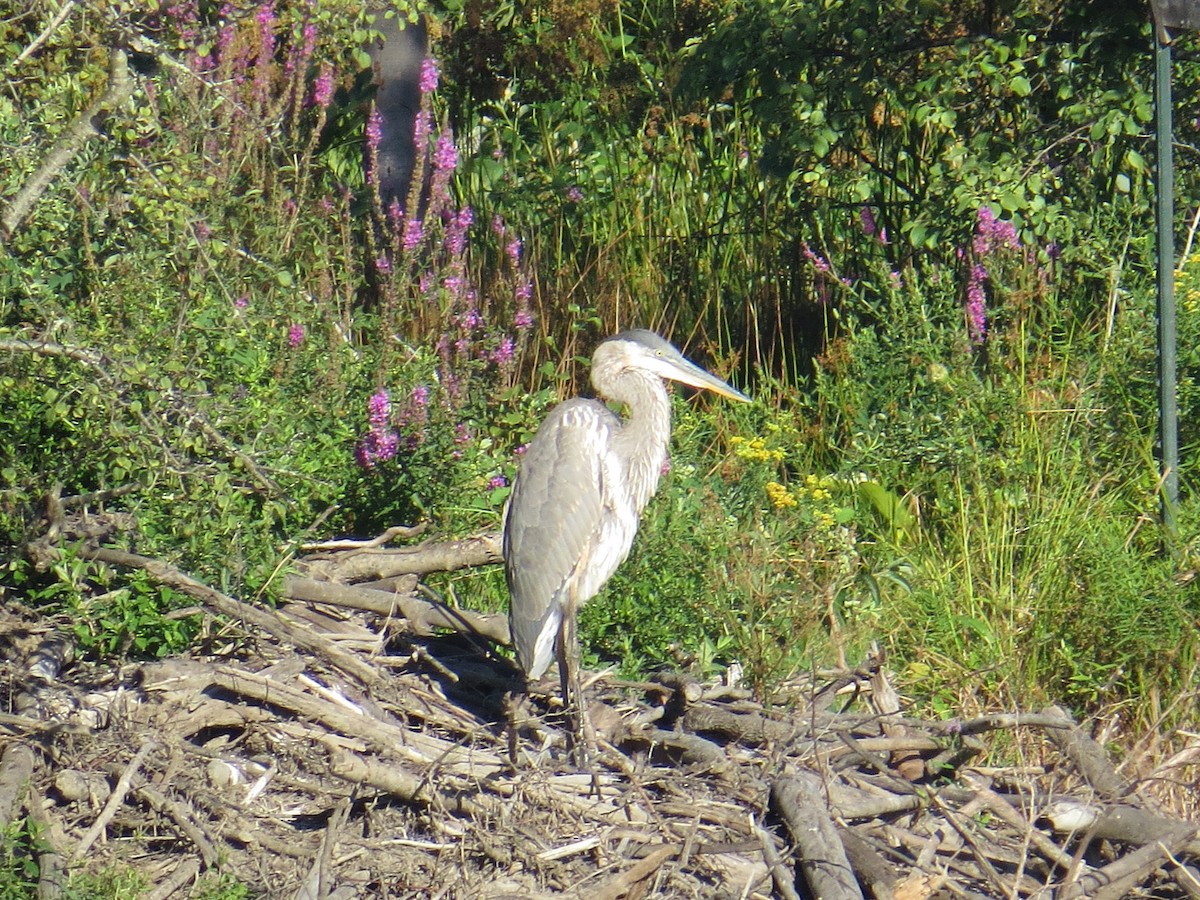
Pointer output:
553, 519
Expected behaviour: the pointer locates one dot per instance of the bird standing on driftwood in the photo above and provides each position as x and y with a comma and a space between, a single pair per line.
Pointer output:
576, 501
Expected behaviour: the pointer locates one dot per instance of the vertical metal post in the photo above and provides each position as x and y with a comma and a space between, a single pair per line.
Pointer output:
1168, 412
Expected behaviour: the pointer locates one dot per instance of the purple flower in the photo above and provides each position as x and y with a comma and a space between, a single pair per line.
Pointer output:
422, 126
242, 302
503, 355
374, 128
977, 304
419, 397
456, 231
445, 156
462, 434
867, 217
575, 194
383, 265
413, 232
378, 445
455, 285
378, 407
429, 75
819, 262
992, 234
266, 50
295, 335
513, 249
524, 290
498, 481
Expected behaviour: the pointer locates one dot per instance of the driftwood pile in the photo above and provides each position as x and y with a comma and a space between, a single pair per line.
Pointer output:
362, 740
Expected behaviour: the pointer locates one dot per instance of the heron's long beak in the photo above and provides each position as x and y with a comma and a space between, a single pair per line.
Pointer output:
689, 373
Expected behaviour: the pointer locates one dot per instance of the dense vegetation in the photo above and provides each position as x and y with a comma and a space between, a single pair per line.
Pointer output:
922, 237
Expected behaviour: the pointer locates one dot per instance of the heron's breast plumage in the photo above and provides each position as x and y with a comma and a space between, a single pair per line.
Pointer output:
569, 524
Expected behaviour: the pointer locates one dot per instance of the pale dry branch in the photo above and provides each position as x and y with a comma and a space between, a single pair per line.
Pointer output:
86, 126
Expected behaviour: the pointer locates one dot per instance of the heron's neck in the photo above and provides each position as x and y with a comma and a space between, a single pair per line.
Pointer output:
642, 439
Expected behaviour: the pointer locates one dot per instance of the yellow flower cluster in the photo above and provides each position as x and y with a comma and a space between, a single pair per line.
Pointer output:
754, 450
815, 493
818, 488
780, 497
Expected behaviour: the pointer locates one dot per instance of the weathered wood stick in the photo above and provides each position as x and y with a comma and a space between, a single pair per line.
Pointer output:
822, 858
1087, 756
115, 799
622, 884
1116, 879
423, 616
377, 564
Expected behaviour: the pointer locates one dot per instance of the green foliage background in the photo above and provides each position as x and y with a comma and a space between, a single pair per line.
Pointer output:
197, 311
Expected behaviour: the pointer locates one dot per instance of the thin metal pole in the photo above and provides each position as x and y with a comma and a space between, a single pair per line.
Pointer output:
1168, 412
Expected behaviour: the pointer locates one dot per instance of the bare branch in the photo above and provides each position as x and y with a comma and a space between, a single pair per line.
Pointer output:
85, 127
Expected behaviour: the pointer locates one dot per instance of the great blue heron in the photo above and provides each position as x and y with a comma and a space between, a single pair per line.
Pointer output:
583, 483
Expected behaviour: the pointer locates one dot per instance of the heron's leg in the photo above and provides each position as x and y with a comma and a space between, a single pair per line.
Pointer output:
583, 736
514, 712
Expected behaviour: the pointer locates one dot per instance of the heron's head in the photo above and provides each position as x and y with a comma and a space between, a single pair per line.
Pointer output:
645, 351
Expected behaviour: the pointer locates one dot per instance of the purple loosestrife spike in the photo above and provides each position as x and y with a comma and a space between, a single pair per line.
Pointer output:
977, 304
413, 232
503, 354
498, 481
429, 75
378, 407
295, 336
266, 50
422, 127
575, 194
456, 232
374, 128
867, 217
226, 32
445, 156
819, 262
378, 445
323, 87
455, 285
